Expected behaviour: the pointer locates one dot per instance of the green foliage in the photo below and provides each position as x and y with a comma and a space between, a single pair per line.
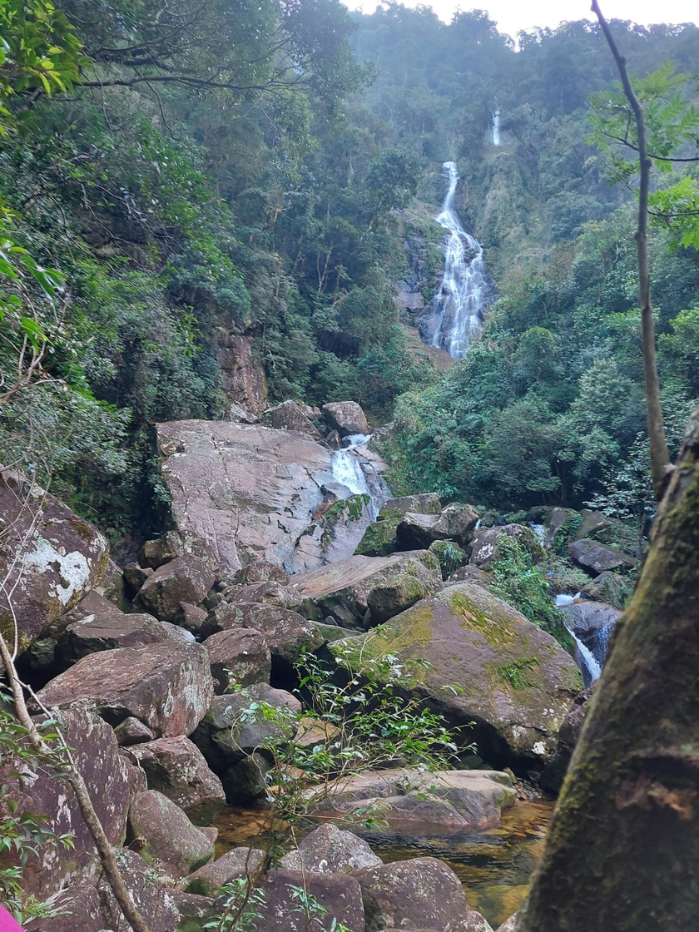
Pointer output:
525, 586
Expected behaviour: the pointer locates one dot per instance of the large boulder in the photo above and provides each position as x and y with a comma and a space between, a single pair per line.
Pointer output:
455, 522
338, 894
77, 908
514, 681
424, 892
346, 417
152, 898
170, 545
380, 538
330, 850
239, 657
485, 549
609, 587
226, 734
598, 558
166, 836
385, 585
612, 531
286, 633
49, 558
108, 779
238, 862
108, 632
254, 493
291, 415
177, 769
167, 686
416, 803
185, 579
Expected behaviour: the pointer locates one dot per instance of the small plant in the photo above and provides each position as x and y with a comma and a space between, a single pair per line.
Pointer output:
241, 908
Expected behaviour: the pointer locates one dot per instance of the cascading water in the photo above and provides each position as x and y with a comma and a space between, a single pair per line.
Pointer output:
495, 131
590, 666
346, 468
464, 295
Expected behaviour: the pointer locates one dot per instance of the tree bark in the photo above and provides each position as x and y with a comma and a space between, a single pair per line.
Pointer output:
659, 455
623, 848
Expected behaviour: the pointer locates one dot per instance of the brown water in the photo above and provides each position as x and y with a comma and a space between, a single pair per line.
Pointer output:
495, 868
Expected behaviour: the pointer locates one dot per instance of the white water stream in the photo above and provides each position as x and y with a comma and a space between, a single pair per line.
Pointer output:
461, 301
589, 666
346, 468
495, 131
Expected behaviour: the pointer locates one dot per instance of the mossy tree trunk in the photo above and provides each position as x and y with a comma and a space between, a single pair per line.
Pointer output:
623, 849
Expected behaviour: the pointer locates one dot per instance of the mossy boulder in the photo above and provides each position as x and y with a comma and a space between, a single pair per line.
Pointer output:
367, 590
488, 665
167, 836
485, 550
380, 538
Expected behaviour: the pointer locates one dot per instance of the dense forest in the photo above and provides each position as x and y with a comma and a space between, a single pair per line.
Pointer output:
196, 175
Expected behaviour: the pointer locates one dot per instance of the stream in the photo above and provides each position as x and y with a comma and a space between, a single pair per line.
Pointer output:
495, 867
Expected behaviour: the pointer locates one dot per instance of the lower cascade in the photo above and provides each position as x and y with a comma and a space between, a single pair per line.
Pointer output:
461, 301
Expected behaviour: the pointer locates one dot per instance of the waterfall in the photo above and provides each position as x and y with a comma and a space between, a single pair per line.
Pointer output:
495, 131
347, 469
590, 669
460, 303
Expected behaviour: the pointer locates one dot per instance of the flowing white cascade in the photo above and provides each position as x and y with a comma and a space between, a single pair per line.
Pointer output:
460, 302
495, 131
589, 667
346, 468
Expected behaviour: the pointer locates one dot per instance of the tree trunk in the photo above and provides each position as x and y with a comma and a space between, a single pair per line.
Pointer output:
622, 853
659, 456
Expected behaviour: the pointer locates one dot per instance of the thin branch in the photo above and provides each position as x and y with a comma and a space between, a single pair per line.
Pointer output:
657, 158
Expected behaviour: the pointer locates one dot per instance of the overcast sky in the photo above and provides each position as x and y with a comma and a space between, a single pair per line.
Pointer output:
513, 15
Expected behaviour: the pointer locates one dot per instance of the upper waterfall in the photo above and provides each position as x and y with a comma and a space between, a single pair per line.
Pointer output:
462, 298
495, 130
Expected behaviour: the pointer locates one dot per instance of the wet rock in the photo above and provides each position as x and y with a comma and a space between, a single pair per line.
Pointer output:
238, 657
132, 731
339, 894
516, 680
346, 417
224, 739
107, 632
424, 892
291, 415
485, 549
184, 579
153, 899
331, 850
592, 622
239, 862
167, 686
166, 836
598, 558
346, 590
49, 558
553, 775
177, 769
107, 777
417, 803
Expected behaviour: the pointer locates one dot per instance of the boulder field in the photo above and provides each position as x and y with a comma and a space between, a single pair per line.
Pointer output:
150, 672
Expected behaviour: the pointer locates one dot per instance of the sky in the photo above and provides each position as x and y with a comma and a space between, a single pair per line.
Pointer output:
513, 15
